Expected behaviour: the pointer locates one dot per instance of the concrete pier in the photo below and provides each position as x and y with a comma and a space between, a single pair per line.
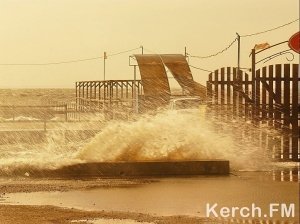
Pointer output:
135, 169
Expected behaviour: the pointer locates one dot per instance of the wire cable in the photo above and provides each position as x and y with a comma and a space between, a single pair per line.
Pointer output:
269, 30
205, 70
215, 54
67, 62
123, 52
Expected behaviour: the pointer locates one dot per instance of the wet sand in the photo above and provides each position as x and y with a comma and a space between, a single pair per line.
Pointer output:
24, 214
28, 185
47, 212
21, 214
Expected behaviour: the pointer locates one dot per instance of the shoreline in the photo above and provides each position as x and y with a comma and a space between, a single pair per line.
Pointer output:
20, 214
62, 213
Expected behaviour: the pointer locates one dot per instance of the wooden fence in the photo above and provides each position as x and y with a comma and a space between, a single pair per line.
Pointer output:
269, 96
101, 95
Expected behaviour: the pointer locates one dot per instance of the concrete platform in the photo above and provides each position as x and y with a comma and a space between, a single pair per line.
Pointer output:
128, 169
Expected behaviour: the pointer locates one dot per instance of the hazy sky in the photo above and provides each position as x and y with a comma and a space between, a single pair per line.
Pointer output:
42, 31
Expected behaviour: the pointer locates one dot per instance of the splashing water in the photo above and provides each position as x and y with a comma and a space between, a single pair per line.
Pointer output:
166, 136
55, 152
175, 135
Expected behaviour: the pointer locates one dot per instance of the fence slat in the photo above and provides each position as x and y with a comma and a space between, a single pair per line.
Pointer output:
264, 96
295, 111
277, 114
257, 96
216, 90
271, 102
270, 99
222, 86
234, 93
209, 88
247, 93
286, 111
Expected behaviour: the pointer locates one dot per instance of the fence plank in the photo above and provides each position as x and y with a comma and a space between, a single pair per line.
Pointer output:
216, 85
240, 89
270, 99
247, 93
257, 96
295, 111
277, 114
270, 102
222, 86
209, 88
234, 93
228, 100
264, 96
286, 111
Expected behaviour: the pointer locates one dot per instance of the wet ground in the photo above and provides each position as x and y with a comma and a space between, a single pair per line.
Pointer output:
170, 196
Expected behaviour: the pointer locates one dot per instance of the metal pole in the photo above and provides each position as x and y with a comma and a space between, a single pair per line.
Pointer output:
238, 73
104, 57
239, 52
142, 49
135, 91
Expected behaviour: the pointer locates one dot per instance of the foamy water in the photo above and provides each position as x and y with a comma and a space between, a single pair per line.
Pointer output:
169, 135
175, 135
52, 154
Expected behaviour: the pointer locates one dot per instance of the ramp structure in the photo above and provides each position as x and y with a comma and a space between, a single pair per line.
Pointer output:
180, 69
154, 80
149, 93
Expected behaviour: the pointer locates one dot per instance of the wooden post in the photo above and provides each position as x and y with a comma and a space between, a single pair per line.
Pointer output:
222, 86
253, 70
294, 119
222, 91
209, 88
234, 94
277, 114
216, 92
240, 89
264, 96
257, 96
270, 100
247, 93
228, 97
278, 93
286, 111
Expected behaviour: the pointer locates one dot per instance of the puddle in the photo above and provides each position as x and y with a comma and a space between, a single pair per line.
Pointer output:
174, 196
110, 221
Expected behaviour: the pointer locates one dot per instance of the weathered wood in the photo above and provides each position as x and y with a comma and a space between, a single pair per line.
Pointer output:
228, 100
286, 111
240, 92
247, 94
222, 86
277, 114
270, 98
286, 95
209, 88
253, 70
257, 96
295, 111
264, 96
216, 92
234, 93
